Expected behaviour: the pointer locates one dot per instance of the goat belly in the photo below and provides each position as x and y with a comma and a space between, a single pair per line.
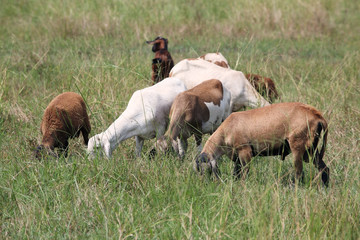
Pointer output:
215, 118
270, 148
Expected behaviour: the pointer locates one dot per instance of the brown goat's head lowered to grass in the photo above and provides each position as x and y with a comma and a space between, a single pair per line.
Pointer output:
277, 129
65, 117
162, 62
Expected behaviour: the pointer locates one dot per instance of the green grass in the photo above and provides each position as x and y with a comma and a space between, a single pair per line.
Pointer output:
97, 48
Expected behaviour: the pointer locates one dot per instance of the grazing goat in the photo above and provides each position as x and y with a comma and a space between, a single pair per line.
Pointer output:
145, 117
216, 58
194, 71
195, 112
65, 117
277, 129
265, 86
162, 63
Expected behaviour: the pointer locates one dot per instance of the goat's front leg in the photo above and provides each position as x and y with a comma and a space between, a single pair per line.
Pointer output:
182, 144
198, 139
139, 145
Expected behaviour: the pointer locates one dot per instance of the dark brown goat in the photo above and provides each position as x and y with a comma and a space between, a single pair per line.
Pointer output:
65, 117
162, 63
265, 86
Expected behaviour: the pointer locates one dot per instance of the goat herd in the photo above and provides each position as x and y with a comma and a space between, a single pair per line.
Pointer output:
194, 97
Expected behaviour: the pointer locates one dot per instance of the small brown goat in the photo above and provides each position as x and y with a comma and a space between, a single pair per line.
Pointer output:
277, 129
162, 63
265, 86
65, 117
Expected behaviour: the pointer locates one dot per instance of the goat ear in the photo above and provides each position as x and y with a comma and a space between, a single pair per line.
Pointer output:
153, 41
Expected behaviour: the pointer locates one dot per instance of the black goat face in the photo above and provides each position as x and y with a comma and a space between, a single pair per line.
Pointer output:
201, 160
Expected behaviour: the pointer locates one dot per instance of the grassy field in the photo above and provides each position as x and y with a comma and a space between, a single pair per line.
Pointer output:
97, 48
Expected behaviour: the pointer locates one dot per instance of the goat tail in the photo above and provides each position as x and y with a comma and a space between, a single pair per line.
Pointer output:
322, 126
318, 158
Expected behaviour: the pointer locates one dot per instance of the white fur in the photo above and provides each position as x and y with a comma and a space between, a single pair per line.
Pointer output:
145, 117
215, 57
195, 71
217, 114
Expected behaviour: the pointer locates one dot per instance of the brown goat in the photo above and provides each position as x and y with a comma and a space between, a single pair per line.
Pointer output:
162, 63
265, 86
65, 117
277, 129
197, 111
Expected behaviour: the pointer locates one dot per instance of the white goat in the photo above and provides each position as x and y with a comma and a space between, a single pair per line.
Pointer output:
216, 58
145, 117
195, 71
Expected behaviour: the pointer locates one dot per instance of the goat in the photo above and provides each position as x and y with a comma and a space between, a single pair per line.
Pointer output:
162, 63
277, 129
195, 112
265, 86
194, 71
145, 117
216, 58
65, 117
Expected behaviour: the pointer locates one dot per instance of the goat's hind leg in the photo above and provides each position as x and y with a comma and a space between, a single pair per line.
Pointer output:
298, 150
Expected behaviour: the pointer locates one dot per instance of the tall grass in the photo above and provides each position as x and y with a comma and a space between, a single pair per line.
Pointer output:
97, 48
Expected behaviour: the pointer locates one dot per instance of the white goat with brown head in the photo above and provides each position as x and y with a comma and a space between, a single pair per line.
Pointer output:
197, 111
277, 129
264, 85
194, 71
216, 58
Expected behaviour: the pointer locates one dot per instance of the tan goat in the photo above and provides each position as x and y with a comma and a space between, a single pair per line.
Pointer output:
277, 129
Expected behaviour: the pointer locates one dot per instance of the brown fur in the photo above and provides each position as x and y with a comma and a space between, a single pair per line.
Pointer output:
65, 117
162, 63
188, 112
265, 86
277, 129
189, 108
221, 64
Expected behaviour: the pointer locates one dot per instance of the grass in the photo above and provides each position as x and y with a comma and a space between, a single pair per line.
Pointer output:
310, 49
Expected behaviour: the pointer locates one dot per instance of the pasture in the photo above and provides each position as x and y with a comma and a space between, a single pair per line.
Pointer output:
97, 49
